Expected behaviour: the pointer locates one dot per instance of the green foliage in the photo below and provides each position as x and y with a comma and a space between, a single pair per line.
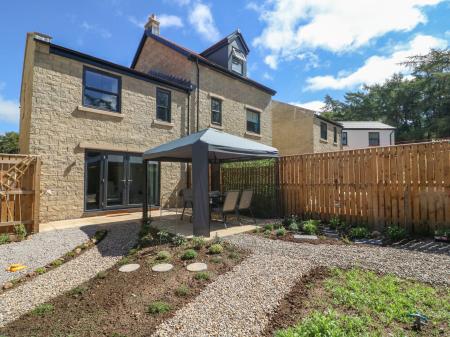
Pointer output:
395, 233
57, 263
280, 232
234, 255
179, 240
359, 232
40, 270
310, 227
102, 275
163, 255
158, 307
124, 260
416, 105
189, 254
77, 291
163, 237
269, 227
294, 227
335, 222
438, 232
4, 238
202, 276
267, 232
9, 142
133, 252
216, 248
216, 259
43, 309
182, 291
21, 231
100, 235
198, 242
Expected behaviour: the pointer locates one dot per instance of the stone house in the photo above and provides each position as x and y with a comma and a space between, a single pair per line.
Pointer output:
297, 130
90, 120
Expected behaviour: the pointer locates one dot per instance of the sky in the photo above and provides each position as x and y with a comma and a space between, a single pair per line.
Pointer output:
304, 49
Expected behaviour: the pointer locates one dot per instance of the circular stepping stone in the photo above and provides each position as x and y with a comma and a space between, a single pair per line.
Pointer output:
128, 268
162, 267
197, 266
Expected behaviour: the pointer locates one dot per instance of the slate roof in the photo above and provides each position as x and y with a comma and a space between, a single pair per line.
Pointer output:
365, 125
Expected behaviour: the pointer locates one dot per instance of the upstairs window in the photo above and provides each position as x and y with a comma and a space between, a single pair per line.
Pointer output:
237, 61
163, 105
374, 139
216, 111
101, 90
253, 121
323, 131
335, 134
344, 138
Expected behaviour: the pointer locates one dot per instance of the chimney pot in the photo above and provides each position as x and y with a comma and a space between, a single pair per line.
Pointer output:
152, 24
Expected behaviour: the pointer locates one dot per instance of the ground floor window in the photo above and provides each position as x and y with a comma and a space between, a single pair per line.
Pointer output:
374, 139
116, 180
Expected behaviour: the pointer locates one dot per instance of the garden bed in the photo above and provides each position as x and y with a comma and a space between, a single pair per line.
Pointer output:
127, 304
359, 303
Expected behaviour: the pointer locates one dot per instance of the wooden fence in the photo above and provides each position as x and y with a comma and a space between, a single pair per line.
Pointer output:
408, 185
20, 204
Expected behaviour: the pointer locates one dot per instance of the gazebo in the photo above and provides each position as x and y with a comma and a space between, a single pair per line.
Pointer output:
208, 146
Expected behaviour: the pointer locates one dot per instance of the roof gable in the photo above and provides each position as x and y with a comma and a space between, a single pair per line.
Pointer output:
236, 35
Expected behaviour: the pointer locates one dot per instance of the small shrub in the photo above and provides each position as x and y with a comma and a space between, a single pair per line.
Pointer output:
71, 254
294, 227
310, 227
158, 307
216, 259
57, 263
124, 260
77, 291
267, 232
257, 230
359, 232
146, 240
334, 222
163, 237
234, 255
132, 252
198, 242
268, 227
43, 309
182, 291
163, 255
40, 270
20, 231
277, 225
102, 274
99, 235
395, 233
4, 238
179, 240
437, 232
346, 240
280, 232
189, 254
216, 248
202, 276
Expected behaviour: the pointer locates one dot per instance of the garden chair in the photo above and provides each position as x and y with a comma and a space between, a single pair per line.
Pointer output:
245, 204
229, 205
188, 200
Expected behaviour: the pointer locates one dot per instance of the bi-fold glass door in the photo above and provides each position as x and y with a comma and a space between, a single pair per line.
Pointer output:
116, 180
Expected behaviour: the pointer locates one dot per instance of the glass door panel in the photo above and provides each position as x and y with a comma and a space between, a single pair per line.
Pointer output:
153, 183
116, 180
93, 180
136, 180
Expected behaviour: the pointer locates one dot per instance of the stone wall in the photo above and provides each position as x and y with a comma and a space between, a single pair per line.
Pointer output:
328, 145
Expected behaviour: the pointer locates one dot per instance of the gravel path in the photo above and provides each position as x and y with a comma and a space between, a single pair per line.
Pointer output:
40, 250
240, 302
118, 241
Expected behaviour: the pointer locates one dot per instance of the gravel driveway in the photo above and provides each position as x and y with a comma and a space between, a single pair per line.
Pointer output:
118, 241
40, 249
240, 302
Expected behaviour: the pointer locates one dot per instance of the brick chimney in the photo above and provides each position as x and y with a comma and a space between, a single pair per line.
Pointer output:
152, 24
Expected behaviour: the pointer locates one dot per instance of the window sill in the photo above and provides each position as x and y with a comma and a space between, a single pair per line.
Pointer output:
252, 134
82, 108
324, 141
162, 124
335, 144
216, 126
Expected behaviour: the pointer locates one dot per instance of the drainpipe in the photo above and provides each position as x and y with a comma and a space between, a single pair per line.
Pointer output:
390, 137
188, 111
198, 91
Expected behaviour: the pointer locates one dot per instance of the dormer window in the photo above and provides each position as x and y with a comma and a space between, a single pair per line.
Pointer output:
237, 61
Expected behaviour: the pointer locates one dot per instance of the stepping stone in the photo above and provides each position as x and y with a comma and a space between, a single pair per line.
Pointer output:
162, 267
128, 268
305, 237
197, 266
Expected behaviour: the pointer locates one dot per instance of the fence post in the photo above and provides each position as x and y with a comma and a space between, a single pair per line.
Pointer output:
37, 194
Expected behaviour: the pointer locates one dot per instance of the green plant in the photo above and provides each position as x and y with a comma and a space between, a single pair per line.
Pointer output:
234, 255
123, 261
146, 240
179, 240
77, 291
215, 248
182, 291
202, 276
346, 240
163, 255
163, 237
334, 222
267, 232
99, 235
57, 263
189, 254
20, 231
71, 254
133, 252
359, 232
102, 274
216, 259
198, 242
310, 227
395, 233
40, 270
280, 232
158, 307
437, 232
43, 309
4, 238
294, 227
268, 227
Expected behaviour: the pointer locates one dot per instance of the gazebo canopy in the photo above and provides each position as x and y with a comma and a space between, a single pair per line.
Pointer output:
201, 148
221, 146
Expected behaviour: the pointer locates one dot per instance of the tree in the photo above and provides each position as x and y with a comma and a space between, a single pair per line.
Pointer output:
9, 142
417, 105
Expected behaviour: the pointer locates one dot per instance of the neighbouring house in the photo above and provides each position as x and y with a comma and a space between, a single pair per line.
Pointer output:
297, 130
361, 134
90, 120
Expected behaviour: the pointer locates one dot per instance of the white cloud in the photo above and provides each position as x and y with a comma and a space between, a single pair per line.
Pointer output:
200, 17
377, 69
311, 60
179, 2
9, 110
267, 76
170, 21
96, 29
294, 26
138, 23
312, 105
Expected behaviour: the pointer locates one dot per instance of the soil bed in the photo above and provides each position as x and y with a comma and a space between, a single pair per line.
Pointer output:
116, 303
